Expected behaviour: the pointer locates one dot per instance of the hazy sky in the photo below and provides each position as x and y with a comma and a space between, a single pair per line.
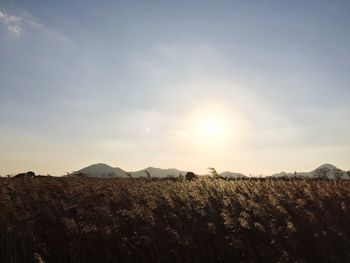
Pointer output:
246, 86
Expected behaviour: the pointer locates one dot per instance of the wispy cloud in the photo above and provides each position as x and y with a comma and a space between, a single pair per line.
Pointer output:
12, 23
23, 22
16, 24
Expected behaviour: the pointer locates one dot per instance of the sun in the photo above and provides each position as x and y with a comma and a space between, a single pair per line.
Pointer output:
210, 127
211, 130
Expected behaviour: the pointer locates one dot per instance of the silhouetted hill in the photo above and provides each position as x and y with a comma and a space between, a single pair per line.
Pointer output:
158, 172
102, 170
232, 175
328, 171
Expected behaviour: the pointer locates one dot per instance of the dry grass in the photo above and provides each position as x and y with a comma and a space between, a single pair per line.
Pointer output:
46, 219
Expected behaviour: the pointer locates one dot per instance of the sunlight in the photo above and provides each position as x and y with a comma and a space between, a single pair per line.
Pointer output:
212, 125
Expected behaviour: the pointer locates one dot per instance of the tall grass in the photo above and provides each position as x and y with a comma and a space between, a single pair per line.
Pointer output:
167, 220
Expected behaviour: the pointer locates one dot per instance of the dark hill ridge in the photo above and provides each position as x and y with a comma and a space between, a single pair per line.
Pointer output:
103, 170
324, 171
158, 172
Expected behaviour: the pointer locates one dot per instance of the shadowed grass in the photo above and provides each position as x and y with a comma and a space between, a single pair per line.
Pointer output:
170, 220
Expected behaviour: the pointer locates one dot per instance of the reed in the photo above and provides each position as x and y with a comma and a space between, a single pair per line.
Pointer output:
49, 219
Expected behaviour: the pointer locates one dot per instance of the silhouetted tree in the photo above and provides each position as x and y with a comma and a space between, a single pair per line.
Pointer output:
148, 174
213, 172
30, 174
191, 176
25, 175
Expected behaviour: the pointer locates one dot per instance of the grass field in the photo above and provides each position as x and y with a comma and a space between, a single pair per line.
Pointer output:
49, 219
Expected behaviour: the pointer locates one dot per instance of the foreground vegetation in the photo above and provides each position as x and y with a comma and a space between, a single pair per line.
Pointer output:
47, 219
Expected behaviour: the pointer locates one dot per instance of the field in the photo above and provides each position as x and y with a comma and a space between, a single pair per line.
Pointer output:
48, 219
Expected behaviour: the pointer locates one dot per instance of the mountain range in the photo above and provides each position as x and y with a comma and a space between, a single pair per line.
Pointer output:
104, 170
324, 171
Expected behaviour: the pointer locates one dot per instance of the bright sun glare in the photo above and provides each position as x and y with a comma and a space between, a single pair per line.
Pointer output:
210, 127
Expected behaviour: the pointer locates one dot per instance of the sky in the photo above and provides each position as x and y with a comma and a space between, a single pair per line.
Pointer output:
257, 87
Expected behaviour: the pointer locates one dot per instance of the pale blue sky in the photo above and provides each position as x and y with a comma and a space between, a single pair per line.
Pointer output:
133, 83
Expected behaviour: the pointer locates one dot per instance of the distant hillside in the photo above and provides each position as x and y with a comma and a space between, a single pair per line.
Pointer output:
324, 171
158, 172
102, 170
232, 175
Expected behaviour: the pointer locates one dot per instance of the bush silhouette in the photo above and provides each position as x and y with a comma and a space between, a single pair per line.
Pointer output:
191, 176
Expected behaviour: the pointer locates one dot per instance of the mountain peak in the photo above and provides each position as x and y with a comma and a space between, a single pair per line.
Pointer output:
100, 165
100, 169
150, 168
328, 166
